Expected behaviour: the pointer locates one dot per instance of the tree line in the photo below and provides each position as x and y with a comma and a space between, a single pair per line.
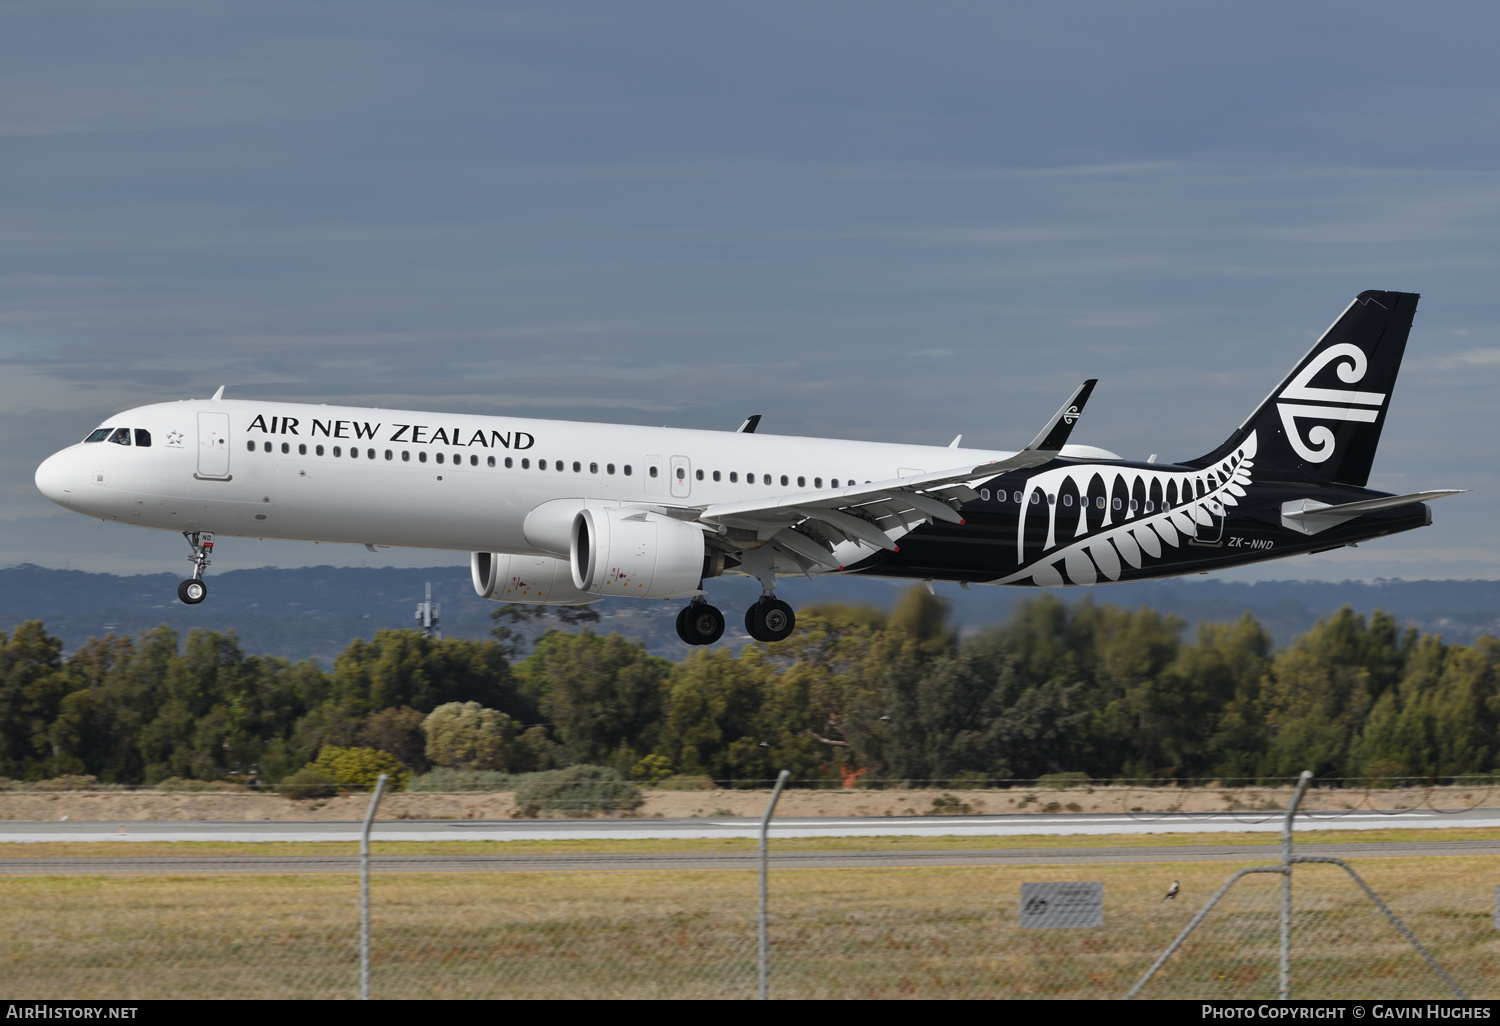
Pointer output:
854, 694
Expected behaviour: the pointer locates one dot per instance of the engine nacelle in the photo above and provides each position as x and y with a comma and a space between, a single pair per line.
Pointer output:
529, 580
636, 553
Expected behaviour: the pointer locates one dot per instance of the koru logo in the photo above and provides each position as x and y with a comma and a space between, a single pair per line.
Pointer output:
1318, 446
1071, 415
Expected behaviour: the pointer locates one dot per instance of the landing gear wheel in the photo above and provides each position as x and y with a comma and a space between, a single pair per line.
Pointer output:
192, 592
700, 624
770, 619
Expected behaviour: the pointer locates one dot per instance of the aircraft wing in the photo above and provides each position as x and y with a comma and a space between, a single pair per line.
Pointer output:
808, 525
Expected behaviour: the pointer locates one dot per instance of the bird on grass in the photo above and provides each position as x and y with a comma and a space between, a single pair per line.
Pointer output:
1172, 891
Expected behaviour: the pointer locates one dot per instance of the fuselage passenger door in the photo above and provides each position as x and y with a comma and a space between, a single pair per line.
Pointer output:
682, 476
213, 445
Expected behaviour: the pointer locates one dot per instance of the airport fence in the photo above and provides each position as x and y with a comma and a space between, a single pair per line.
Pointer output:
631, 927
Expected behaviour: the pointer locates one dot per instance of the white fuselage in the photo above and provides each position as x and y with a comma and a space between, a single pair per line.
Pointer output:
431, 480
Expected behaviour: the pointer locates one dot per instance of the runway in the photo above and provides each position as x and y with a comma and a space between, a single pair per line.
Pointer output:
177, 865
24, 831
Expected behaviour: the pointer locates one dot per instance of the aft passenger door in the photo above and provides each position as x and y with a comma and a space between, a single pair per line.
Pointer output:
682, 476
213, 445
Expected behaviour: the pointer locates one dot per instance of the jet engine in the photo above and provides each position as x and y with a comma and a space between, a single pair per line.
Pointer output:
637, 553
531, 580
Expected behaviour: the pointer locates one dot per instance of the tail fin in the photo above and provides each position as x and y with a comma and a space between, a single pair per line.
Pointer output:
1323, 422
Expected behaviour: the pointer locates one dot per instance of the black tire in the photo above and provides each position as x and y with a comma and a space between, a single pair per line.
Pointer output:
753, 626
700, 624
705, 622
192, 592
777, 620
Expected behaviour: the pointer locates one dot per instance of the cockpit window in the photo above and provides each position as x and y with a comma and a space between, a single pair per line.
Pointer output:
121, 436
142, 437
98, 436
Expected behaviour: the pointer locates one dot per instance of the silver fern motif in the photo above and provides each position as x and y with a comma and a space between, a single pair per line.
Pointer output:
1136, 532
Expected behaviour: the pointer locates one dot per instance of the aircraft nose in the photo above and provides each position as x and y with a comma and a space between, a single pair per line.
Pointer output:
55, 478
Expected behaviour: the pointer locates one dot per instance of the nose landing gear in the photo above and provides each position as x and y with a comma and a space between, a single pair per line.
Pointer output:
700, 623
195, 590
770, 619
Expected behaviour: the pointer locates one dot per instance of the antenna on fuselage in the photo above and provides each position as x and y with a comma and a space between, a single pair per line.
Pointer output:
427, 617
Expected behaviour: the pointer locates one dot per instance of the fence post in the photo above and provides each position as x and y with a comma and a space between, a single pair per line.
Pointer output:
765, 826
1285, 990
364, 890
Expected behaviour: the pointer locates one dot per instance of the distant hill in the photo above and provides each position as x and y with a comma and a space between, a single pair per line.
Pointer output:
315, 612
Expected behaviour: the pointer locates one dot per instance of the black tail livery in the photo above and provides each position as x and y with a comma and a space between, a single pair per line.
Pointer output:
1324, 421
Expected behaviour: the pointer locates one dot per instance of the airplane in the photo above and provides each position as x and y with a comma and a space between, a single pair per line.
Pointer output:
566, 513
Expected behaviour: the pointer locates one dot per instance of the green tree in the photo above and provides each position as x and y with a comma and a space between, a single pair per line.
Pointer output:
361, 767
602, 695
465, 735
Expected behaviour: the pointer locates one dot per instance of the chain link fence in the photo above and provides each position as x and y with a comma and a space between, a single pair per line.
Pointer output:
627, 928
834, 933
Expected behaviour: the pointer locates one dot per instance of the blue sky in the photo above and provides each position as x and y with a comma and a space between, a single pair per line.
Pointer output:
883, 221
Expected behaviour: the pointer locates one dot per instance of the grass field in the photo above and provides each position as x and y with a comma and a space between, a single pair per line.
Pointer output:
870, 933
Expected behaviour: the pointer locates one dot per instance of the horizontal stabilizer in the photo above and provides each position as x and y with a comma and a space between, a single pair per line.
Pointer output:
1311, 516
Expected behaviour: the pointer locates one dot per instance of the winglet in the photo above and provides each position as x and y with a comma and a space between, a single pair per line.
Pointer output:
219, 394
751, 423
1055, 435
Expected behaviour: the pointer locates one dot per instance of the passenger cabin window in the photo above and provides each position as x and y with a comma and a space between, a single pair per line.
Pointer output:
302, 449
834, 483
422, 456
1015, 497
540, 464
783, 481
681, 474
560, 467
405, 456
626, 468
121, 436
491, 461
593, 468
817, 482
474, 461
338, 450
526, 464
97, 435
801, 482
652, 471
370, 453
354, 453
1067, 500
716, 475
609, 468
984, 493
250, 446
508, 463
766, 479
577, 467
319, 450
734, 477
266, 446
286, 447
698, 474
439, 457
143, 437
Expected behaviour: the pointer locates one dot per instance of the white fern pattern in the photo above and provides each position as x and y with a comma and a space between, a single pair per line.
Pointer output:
1128, 537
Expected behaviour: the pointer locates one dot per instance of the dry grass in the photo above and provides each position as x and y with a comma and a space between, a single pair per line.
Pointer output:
869, 933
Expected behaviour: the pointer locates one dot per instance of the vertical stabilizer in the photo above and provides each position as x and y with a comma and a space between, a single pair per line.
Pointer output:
1323, 422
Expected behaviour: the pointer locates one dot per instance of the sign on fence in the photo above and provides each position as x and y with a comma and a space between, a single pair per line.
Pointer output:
1054, 905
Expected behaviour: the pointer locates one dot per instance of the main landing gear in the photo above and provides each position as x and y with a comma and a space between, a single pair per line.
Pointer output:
770, 619
700, 623
194, 590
